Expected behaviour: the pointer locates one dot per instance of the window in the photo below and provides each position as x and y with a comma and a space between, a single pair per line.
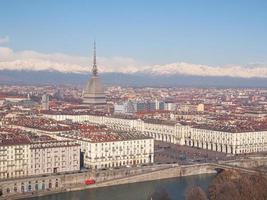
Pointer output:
29, 187
43, 186
22, 188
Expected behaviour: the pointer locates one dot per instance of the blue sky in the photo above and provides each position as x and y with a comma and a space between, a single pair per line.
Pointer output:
206, 32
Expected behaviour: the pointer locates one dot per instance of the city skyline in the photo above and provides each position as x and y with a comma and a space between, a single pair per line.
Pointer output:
201, 39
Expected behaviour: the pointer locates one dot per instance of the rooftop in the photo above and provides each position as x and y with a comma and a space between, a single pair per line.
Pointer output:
235, 126
101, 135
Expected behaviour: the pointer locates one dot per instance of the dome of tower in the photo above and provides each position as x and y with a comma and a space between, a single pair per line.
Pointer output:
94, 86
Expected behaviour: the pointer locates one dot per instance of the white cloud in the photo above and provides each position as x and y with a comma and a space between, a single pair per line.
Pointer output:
4, 40
204, 70
32, 60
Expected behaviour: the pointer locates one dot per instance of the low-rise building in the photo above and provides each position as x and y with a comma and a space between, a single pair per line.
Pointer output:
53, 157
23, 155
109, 150
225, 141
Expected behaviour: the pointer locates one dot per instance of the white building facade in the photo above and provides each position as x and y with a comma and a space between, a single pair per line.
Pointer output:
117, 153
33, 159
227, 142
99, 155
14, 159
54, 157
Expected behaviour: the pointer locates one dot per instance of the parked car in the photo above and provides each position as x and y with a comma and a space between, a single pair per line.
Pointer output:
89, 181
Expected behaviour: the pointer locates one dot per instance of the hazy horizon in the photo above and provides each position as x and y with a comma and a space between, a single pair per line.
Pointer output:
207, 39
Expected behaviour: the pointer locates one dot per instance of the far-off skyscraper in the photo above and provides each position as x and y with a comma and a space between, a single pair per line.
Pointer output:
45, 102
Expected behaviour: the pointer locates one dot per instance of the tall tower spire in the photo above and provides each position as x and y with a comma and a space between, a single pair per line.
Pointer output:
94, 92
94, 70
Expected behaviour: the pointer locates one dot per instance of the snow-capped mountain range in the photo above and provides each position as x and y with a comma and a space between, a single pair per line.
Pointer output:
15, 66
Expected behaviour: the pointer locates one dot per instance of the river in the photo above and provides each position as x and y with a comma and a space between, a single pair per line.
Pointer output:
175, 188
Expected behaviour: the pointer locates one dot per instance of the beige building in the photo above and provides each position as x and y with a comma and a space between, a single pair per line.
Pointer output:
14, 155
192, 107
99, 155
22, 157
115, 149
53, 157
227, 142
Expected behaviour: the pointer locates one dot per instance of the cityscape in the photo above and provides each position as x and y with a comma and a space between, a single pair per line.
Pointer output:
99, 127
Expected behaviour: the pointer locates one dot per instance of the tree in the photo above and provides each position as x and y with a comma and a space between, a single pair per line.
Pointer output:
232, 185
159, 195
196, 193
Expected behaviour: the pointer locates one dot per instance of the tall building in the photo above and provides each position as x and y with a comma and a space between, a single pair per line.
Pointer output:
93, 94
45, 102
24, 155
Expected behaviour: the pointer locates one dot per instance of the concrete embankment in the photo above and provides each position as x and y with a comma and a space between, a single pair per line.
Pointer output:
186, 170
250, 162
173, 172
75, 182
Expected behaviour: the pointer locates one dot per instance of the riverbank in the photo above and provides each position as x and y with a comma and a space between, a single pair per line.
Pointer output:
171, 171
75, 182
174, 187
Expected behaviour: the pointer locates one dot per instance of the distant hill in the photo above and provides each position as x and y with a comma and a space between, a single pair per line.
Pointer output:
131, 79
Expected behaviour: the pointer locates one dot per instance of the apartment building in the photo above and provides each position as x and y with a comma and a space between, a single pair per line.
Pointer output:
110, 150
14, 156
21, 155
53, 157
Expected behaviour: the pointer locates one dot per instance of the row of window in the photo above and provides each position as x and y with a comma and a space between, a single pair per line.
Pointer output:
33, 187
121, 163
